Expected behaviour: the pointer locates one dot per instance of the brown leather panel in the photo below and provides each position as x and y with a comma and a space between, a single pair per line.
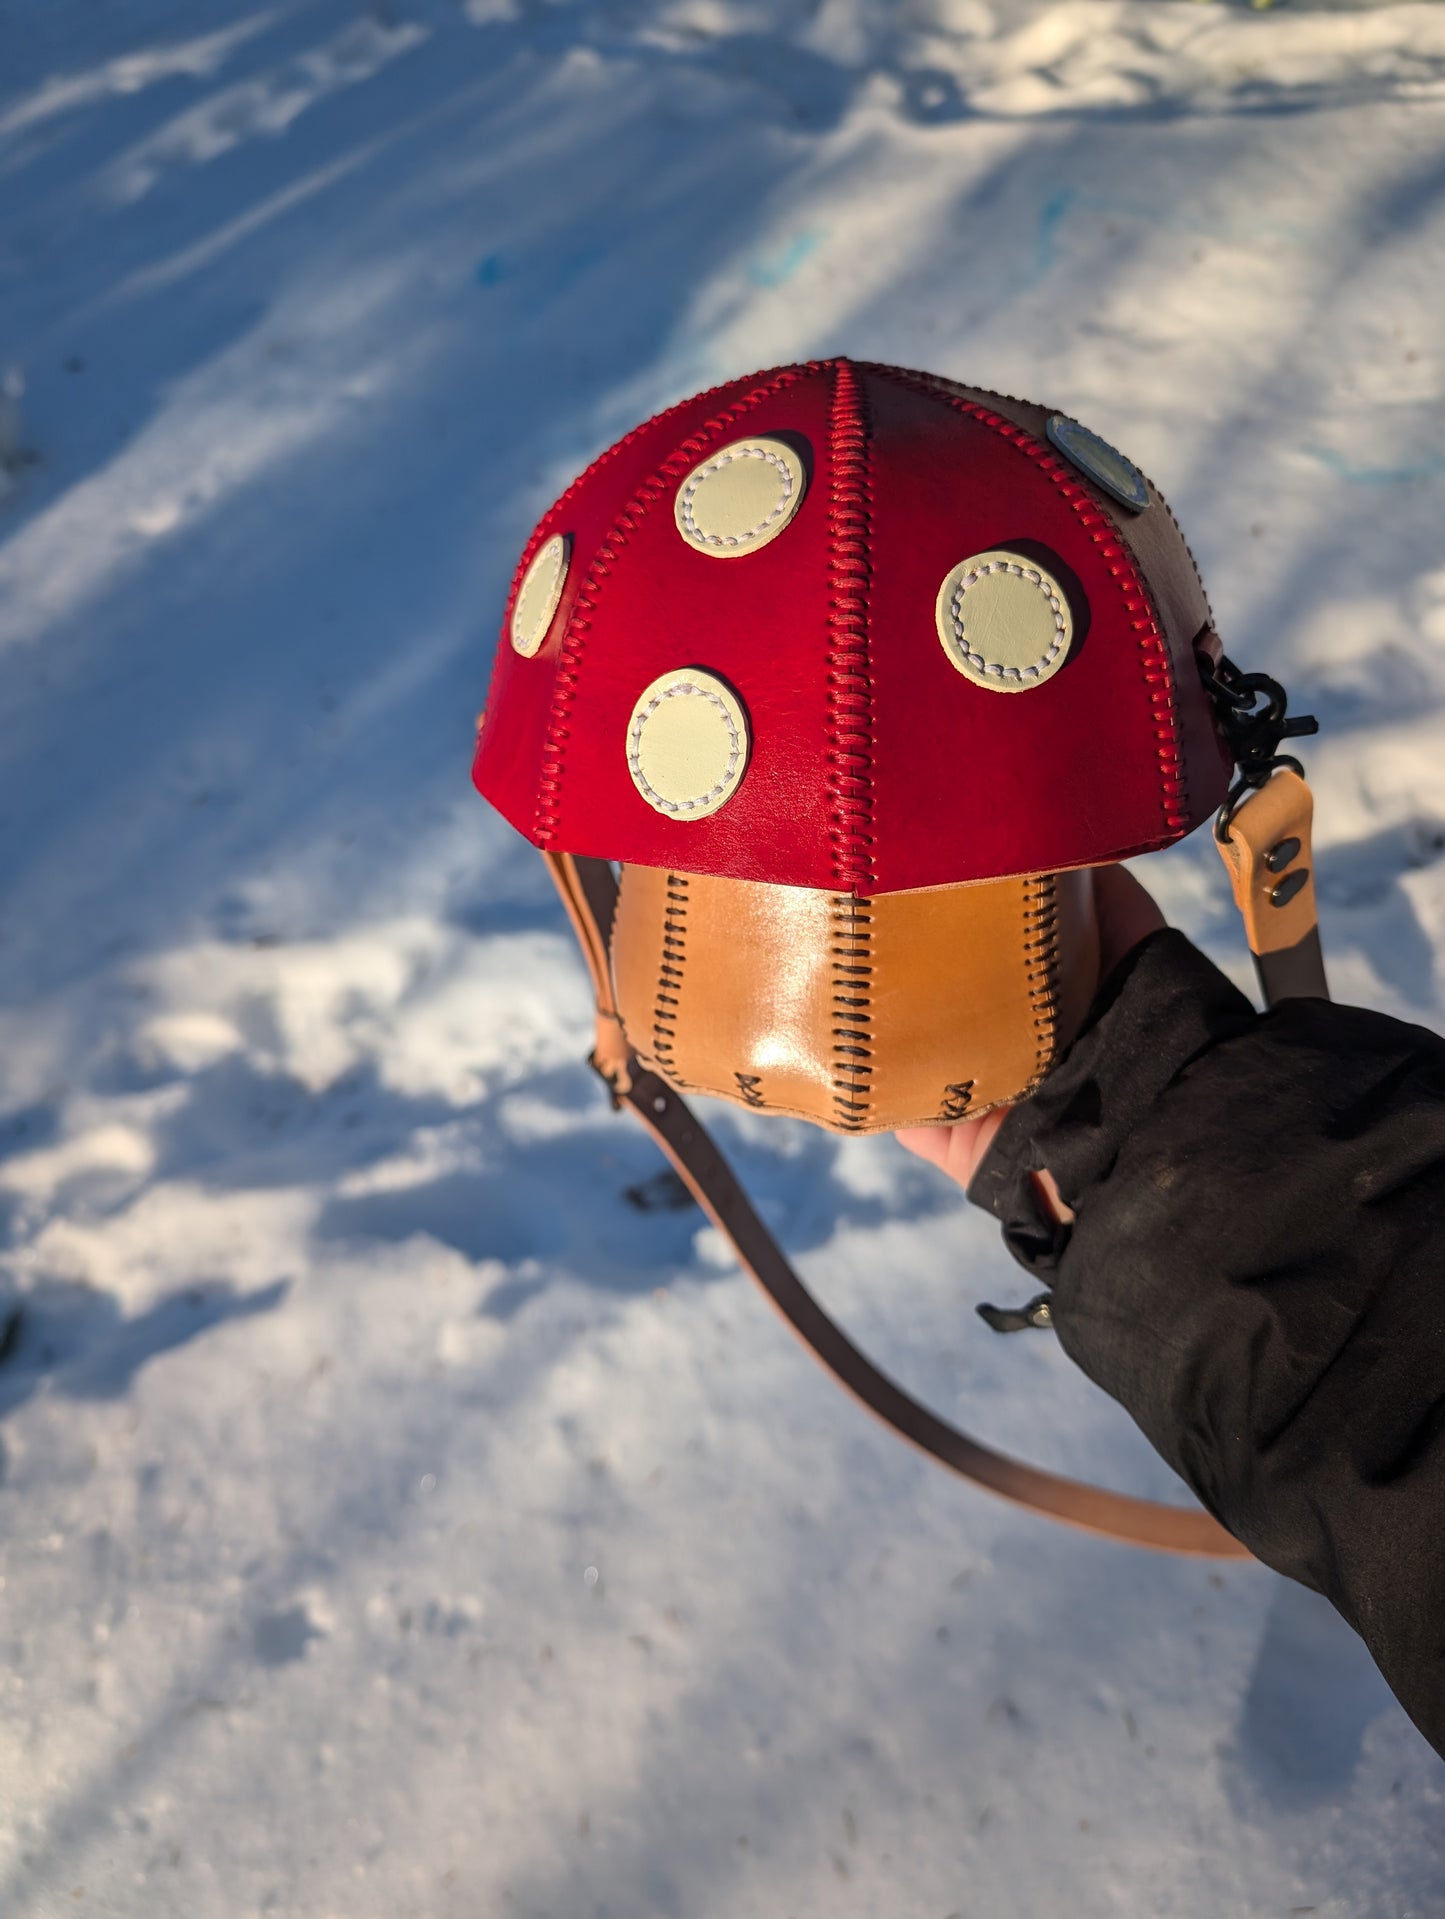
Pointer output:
861, 1015
1170, 573
1153, 536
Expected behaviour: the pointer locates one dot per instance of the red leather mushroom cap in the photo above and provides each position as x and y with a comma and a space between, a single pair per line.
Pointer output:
875, 765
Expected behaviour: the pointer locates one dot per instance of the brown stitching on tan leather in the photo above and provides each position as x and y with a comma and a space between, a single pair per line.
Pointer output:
851, 946
750, 1089
956, 1099
781, 1109
669, 978
1041, 965
850, 686
545, 818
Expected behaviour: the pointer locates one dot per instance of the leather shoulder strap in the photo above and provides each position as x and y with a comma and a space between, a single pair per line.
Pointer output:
589, 893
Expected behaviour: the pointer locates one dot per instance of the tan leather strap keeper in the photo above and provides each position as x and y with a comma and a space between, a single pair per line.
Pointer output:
1265, 846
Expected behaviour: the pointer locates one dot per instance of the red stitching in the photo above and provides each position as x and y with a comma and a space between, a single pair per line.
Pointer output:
545, 527
1154, 652
549, 782
850, 686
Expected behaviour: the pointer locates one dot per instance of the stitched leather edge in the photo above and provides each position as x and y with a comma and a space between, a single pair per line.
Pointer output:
956, 1101
850, 686
851, 944
634, 1039
1100, 526
564, 688
859, 1129
544, 528
1041, 964
750, 1091
962, 392
1159, 500
669, 977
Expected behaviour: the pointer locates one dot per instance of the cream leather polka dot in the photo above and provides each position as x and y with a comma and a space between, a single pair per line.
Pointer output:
1004, 622
539, 594
739, 498
687, 744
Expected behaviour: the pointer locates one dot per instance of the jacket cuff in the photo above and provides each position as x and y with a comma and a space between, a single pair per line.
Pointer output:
1162, 1006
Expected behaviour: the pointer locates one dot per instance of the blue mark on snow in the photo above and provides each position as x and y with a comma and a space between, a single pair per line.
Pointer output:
1346, 469
1060, 208
1055, 210
544, 277
780, 268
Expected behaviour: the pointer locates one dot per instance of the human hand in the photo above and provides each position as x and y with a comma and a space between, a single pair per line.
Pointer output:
1126, 915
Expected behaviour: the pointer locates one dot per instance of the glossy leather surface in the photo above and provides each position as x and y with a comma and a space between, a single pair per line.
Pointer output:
876, 767
864, 1016
1166, 564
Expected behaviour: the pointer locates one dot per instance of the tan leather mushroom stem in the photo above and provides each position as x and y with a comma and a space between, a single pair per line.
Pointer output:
589, 892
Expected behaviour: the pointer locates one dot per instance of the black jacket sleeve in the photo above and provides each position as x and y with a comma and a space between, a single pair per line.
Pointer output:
1256, 1270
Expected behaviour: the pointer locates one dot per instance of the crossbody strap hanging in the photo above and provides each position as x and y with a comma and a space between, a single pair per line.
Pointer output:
589, 893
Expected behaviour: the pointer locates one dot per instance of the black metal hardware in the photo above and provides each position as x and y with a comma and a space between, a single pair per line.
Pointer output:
1279, 857
1252, 709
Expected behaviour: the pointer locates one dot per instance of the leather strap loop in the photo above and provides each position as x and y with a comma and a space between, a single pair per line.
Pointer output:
589, 893
1265, 844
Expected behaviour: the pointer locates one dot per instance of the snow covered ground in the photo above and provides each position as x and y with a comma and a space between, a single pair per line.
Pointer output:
396, 1519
